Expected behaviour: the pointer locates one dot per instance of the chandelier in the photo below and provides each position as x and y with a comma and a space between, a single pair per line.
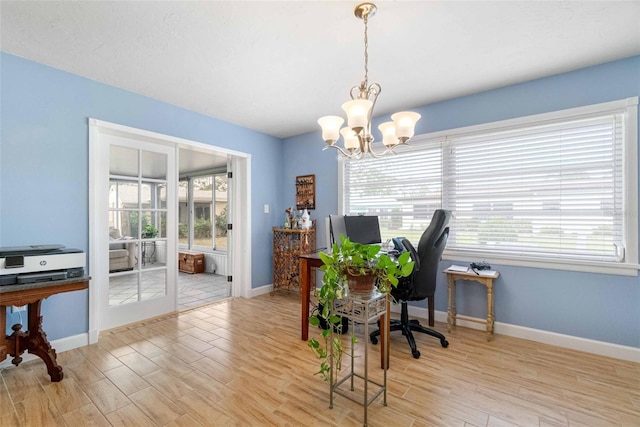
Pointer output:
357, 135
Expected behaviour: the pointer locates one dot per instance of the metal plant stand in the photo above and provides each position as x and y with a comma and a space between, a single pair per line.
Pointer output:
361, 308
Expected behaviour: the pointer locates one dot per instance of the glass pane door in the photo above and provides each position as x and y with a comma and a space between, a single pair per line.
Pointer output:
141, 274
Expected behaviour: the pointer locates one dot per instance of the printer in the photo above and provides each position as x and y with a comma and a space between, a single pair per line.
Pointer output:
39, 263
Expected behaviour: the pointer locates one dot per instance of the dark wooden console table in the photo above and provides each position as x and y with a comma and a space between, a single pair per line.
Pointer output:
35, 339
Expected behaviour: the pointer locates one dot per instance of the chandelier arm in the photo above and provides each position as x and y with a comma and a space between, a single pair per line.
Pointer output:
358, 90
351, 155
378, 154
372, 95
388, 150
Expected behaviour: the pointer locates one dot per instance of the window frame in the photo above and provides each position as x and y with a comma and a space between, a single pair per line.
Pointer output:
629, 266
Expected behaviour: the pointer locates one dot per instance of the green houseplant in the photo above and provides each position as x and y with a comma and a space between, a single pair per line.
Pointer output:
343, 267
149, 231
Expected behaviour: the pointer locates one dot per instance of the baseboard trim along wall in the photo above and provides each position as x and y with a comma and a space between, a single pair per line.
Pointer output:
616, 351
261, 290
93, 336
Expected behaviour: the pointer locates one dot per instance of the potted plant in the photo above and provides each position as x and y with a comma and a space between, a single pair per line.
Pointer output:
345, 266
149, 231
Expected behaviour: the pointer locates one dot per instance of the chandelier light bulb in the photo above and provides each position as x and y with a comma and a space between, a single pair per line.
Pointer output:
330, 128
388, 130
405, 122
351, 141
357, 113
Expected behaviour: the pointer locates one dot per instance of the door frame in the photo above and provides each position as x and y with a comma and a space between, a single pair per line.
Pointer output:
239, 242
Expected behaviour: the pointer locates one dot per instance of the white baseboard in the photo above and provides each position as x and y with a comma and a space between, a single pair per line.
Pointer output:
93, 336
261, 290
601, 348
60, 345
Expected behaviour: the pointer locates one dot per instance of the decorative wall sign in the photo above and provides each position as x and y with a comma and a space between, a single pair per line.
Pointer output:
306, 192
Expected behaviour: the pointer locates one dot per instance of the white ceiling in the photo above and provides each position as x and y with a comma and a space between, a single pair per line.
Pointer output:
277, 66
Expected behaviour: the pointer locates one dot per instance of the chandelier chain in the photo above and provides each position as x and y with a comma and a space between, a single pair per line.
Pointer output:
366, 53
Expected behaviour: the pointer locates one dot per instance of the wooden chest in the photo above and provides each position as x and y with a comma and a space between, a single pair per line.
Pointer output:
191, 262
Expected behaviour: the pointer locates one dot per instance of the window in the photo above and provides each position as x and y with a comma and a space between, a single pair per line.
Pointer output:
556, 189
207, 229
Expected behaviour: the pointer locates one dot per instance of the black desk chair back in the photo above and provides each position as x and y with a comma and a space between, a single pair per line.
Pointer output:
422, 282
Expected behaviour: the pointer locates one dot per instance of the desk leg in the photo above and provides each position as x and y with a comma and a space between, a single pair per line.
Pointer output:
4, 343
490, 314
35, 341
305, 279
451, 291
384, 332
38, 344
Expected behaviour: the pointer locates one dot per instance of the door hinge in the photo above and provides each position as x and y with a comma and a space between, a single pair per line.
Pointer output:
229, 226
229, 278
229, 174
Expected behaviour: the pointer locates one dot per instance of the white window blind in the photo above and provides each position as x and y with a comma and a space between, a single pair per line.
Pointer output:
546, 190
402, 189
550, 187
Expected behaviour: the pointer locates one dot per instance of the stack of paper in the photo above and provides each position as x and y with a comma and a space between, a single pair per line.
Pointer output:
458, 268
466, 269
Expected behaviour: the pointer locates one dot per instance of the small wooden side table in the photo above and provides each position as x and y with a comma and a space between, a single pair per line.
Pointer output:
33, 340
485, 278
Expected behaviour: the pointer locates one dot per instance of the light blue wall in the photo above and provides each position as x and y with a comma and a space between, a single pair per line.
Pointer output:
44, 190
594, 306
306, 158
44, 185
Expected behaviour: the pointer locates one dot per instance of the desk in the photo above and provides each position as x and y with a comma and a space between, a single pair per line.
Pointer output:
35, 339
483, 278
307, 262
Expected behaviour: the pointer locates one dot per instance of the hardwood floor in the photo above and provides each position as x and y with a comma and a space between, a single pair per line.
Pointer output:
240, 362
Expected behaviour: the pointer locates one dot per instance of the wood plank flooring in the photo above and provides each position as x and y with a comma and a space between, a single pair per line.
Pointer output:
240, 362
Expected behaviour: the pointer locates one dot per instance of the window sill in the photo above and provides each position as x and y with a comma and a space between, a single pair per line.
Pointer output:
620, 269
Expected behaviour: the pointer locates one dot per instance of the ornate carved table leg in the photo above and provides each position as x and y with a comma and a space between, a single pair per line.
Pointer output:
35, 341
39, 345
17, 341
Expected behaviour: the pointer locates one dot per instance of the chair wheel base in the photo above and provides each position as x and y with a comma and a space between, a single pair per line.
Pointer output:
408, 327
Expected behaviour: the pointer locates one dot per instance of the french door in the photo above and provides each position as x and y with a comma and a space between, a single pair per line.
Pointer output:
137, 278
133, 223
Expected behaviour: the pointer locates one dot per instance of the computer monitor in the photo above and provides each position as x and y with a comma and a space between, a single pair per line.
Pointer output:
363, 229
336, 228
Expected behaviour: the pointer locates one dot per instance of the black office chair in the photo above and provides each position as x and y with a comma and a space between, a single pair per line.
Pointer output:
421, 284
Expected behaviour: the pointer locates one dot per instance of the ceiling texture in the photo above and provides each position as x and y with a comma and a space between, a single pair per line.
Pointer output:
276, 66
